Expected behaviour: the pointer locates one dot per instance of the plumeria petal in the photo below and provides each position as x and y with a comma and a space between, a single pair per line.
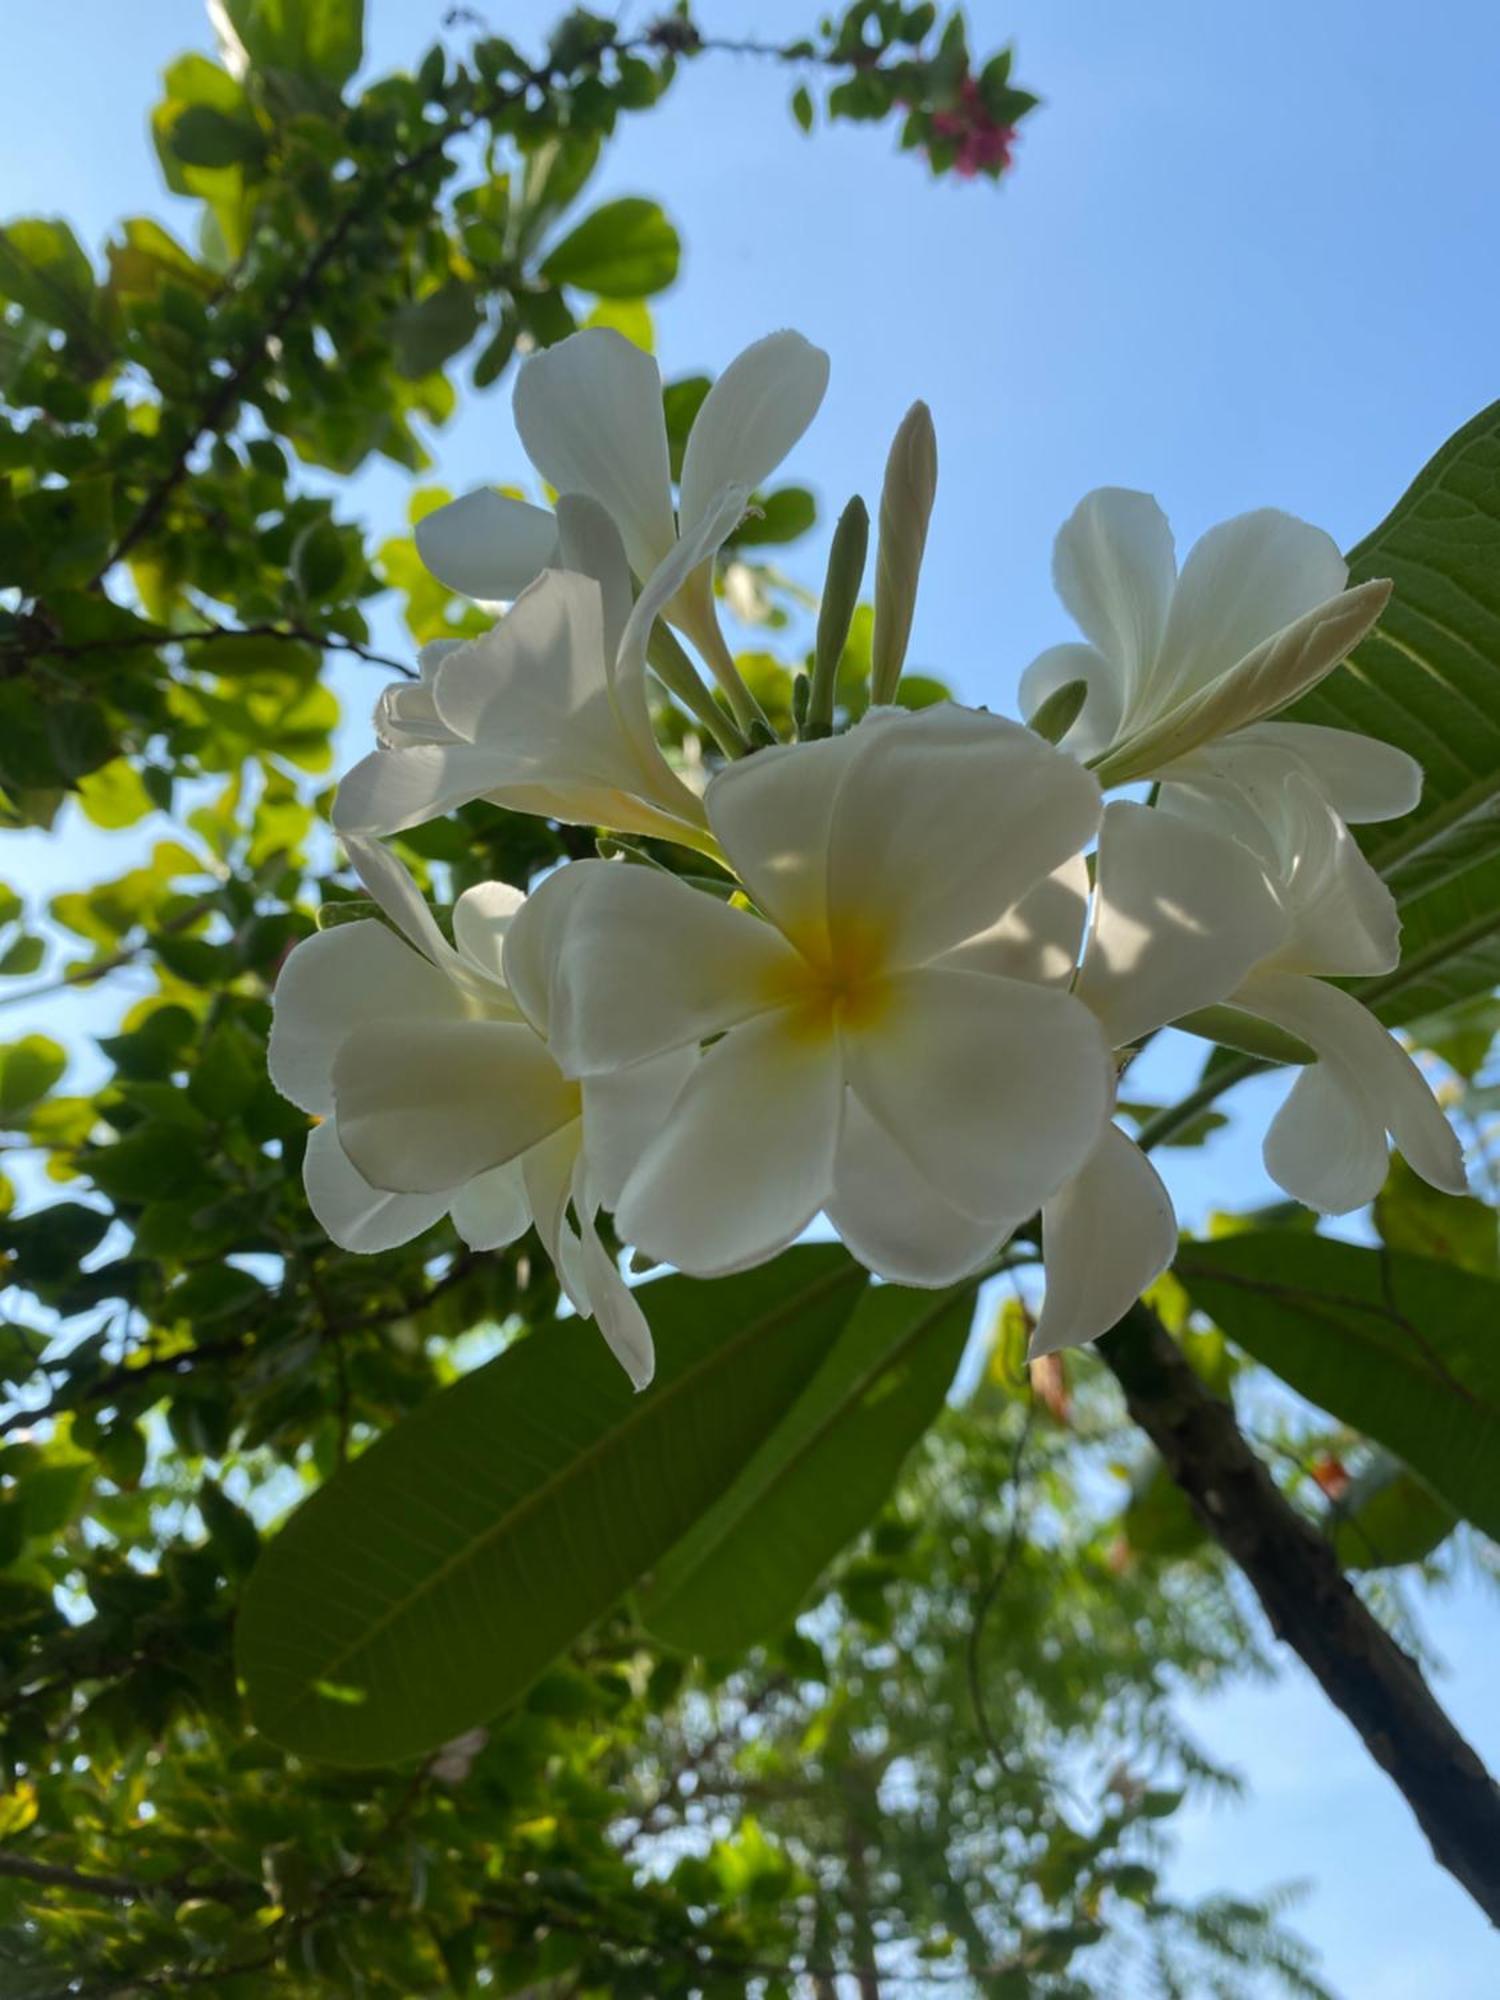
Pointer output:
772, 814
491, 1210
615, 963
589, 412
481, 917
397, 894
1107, 1234
1038, 938
891, 1217
944, 819
588, 542
746, 1160
1361, 778
995, 1090
357, 1216
429, 1109
1243, 582
395, 788
335, 982
1178, 922
1097, 723
1340, 917
487, 545
613, 1306
1326, 1146
750, 419
537, 696
1114, 567
622, 1114
1266, 679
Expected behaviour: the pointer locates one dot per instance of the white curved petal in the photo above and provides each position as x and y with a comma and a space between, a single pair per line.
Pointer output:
481, 917
1362, 778
1180, 917
487, 545
429, 1109
746, 1159
1243, 582
1114, 567
944, 820
1340, 917
615, 963
405, 712
589, 412
771, 814
396, 788
1326, 1146
536, 697
547, 1173
995, 1090
613, 1307
892, 1218
622, 1114
397, 894
1038, 938
1107, 1235
331, 984
355, 1215
662, 592
492, 1210
1262, 682
589, 542
1097, 723
751, 418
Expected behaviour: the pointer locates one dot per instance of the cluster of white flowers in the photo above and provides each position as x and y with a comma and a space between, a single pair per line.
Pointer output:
905, 1007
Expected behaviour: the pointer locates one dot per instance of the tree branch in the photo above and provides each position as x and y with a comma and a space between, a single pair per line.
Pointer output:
162, 635
1311, 1604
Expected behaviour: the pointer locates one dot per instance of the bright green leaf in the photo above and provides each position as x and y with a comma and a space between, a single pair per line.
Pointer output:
1402, 1348
743, 1569
625, 250
428, 1585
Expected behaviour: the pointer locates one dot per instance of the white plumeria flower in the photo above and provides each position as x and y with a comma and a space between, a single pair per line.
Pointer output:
547, 713
1260, 613
875, 1043
1175, 925
1327, 1146
437, 1098
589, 412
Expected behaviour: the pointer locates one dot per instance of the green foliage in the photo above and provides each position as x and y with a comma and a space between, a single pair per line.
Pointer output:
540, 1488
1427, 678
743, 1568
1401, 1347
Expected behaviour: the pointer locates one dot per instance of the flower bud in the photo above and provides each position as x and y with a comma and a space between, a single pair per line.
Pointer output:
905, 509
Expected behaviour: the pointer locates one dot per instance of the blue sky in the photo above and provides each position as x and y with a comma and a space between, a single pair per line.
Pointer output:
1247, 257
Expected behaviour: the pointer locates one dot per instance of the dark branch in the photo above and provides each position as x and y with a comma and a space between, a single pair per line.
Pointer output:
1311, 1604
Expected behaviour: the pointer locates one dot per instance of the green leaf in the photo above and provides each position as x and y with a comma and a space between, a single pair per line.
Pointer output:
28, 1070
1402, 1348
432, 331
741, 1572
1428, 679
802, 107
625, 250
320, 39
1388, 1517
1458, 1229
777, 517
426, 1586
200, 136
44, 271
